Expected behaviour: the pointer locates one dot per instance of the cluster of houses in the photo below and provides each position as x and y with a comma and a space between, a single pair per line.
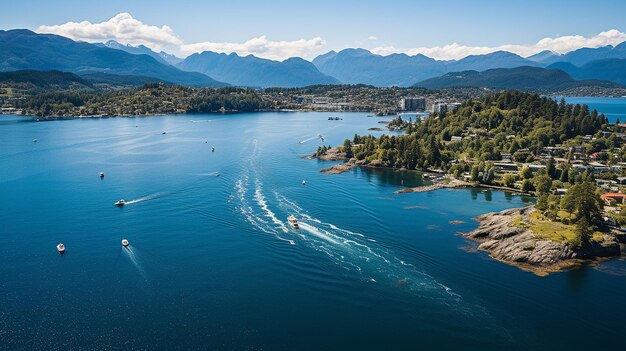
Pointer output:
576, 157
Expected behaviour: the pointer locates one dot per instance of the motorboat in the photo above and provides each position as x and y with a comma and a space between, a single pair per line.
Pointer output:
120, 203
125, 242
212, 149
34, 140
61, 248
293, 222
101, 174
303, 182
164, 133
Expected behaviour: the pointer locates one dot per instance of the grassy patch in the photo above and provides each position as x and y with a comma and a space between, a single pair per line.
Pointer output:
547, 229
556, 231
518, 222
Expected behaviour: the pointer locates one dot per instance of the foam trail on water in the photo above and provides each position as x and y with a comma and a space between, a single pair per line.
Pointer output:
309, 139
320, 234
258, 196
257, 220
146, 198
211, 174
135, 260
351, 249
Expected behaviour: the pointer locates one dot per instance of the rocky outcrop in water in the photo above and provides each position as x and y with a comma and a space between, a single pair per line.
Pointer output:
519, 246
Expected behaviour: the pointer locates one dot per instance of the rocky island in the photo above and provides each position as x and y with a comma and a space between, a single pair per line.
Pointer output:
523, 237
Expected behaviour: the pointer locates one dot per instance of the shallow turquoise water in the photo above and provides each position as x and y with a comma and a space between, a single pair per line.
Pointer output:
213, 265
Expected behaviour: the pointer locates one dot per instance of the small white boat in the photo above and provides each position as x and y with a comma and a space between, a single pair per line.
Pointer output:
125, 242
293, 222
303, 182
212, 149
34, 140
120, 203
61, 248
101, 174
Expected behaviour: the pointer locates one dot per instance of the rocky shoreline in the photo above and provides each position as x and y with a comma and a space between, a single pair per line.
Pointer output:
500, 234
519, 246
450, 183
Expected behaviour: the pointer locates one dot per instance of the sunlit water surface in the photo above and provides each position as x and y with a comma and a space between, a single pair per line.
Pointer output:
213, 263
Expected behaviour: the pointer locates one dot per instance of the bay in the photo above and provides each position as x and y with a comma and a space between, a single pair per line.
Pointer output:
212, 263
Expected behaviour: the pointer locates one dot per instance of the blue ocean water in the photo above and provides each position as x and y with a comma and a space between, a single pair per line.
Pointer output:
612, 108
212, 263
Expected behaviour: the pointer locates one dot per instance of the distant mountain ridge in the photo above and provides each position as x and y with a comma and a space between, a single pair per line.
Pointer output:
607, 69
23, 49
355, 66
360, 66
524, 78
585, 55
43, 78
256, 72
47, 79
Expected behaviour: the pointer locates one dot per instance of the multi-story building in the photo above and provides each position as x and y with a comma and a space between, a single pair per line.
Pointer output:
417, 104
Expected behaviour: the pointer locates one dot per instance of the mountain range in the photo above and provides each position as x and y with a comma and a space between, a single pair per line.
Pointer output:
111, 61
253, 71
520, 78
608, 69
162, 57
24, 49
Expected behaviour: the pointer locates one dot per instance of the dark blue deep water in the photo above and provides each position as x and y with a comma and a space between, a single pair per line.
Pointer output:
213, 264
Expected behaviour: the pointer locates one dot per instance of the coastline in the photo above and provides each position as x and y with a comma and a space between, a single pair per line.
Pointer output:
500, 233
505, 240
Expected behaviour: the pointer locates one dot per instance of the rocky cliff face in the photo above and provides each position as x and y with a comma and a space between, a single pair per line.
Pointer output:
519, 246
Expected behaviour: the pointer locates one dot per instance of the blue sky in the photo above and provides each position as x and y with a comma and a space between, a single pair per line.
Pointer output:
390, 25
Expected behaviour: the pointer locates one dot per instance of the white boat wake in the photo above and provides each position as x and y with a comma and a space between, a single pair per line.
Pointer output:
130, 253
350, 250
146, 198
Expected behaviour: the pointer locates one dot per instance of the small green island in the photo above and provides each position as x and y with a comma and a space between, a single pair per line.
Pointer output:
566, 156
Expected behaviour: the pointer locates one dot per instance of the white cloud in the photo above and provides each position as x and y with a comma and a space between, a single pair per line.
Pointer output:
262, 47
560, 44
128, 30
122, 28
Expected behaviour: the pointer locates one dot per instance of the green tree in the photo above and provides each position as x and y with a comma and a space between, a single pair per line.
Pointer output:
347, 148
543, 184
527, 186
509, 180
551, 168
582, 201
526, 173
542, 203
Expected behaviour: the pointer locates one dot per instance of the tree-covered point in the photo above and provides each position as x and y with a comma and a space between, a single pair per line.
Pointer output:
511, 122
151, 98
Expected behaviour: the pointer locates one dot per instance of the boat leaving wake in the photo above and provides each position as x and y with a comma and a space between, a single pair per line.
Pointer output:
146, 198
130, 253
350, 250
